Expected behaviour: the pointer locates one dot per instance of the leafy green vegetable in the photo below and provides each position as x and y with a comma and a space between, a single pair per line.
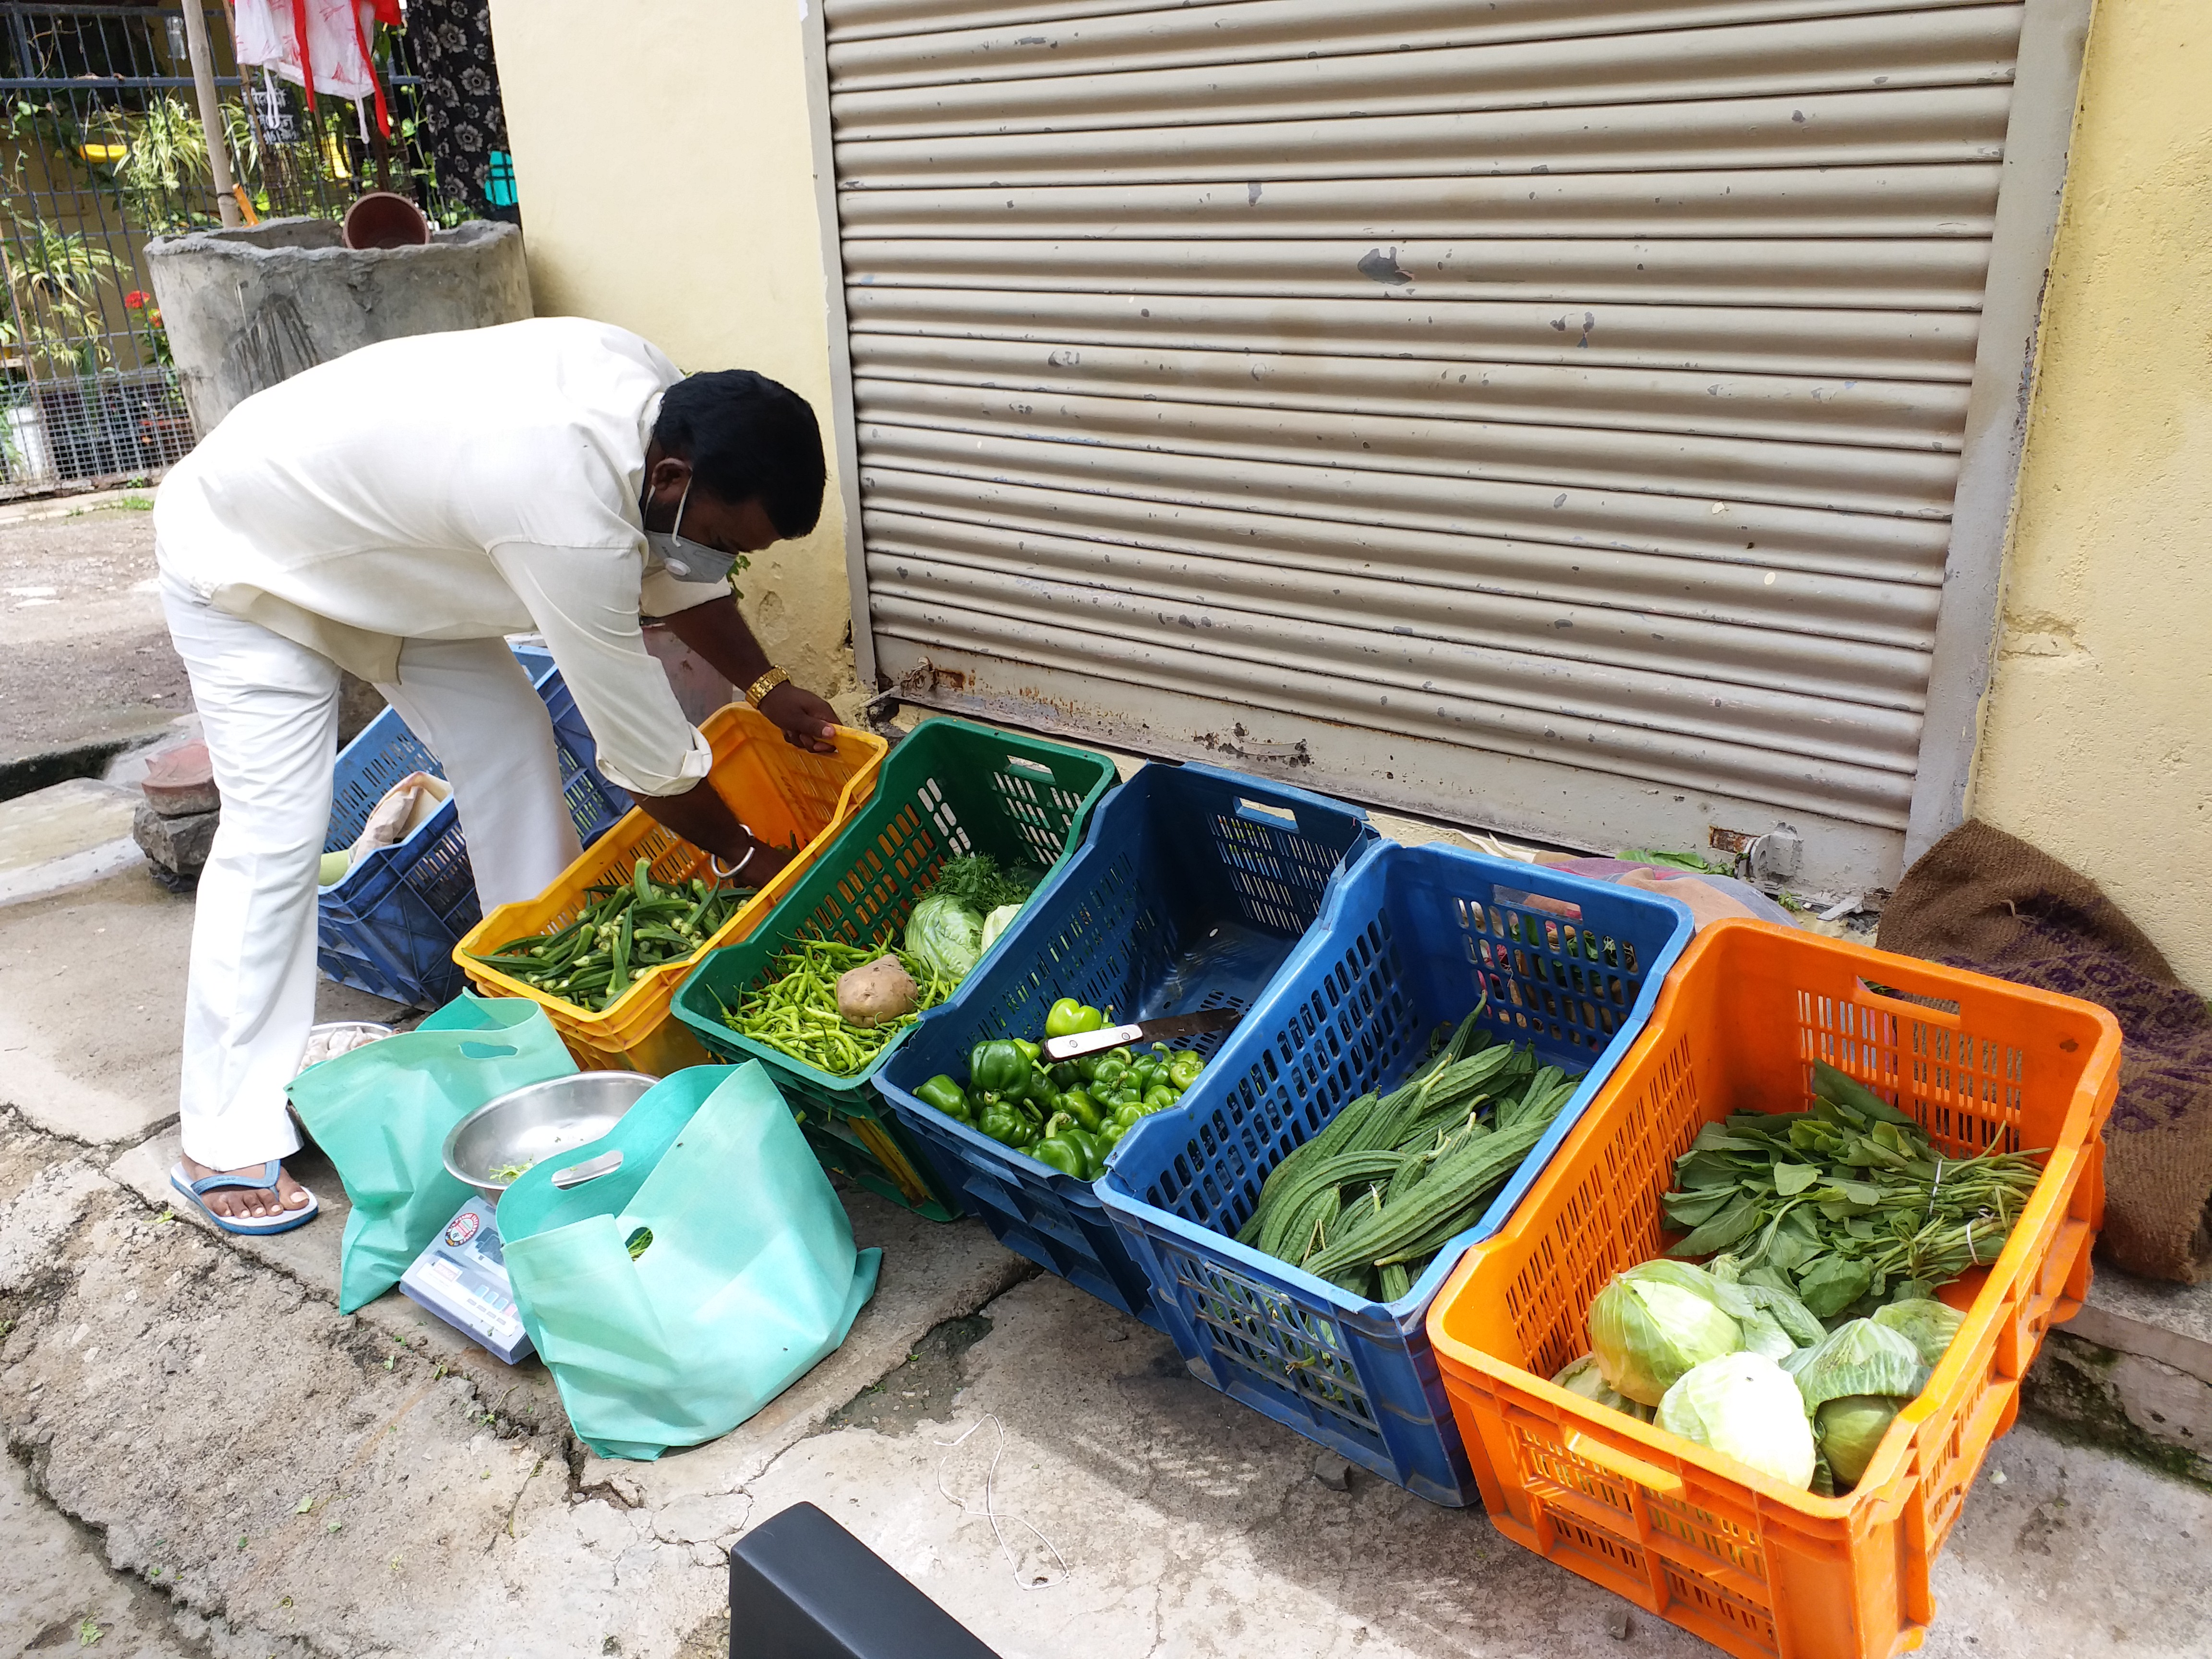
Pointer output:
1656, 1321
1761, 1335
1928, 1325
981, 882
1840, 1204
1693, 861
1743, 1406
997, 923
946, 934
1859, 1358
1583, 1377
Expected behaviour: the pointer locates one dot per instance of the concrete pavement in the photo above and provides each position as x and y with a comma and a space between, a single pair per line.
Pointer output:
218, 1462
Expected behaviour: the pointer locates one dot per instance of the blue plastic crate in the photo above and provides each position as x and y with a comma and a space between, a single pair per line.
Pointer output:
1191, 888
1410, 939
390, 927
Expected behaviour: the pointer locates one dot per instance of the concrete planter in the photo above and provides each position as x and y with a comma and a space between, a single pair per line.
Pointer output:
246, 308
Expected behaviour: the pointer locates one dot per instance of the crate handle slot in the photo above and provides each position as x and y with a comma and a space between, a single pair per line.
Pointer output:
1945, 1009
1591, 1450
1266, 811
1024, 764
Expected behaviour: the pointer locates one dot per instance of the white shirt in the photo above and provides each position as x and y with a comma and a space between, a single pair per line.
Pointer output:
448, 487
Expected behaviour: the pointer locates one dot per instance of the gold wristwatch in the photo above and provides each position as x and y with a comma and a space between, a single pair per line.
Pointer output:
766, 684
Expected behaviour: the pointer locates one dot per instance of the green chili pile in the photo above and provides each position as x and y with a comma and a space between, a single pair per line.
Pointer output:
627, 930
794, 1011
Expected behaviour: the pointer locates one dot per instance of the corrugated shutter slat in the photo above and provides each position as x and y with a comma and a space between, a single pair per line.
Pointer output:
1548, 413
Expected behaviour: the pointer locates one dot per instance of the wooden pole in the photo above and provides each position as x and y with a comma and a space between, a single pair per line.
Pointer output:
211, 123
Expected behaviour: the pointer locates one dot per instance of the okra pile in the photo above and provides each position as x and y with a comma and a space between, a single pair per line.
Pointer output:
627, 929
1368, 1202
793, 1010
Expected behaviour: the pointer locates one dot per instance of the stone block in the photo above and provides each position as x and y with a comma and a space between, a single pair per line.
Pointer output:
180, 844
181, 783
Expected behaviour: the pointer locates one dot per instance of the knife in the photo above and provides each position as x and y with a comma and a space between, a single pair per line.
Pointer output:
1206, 1020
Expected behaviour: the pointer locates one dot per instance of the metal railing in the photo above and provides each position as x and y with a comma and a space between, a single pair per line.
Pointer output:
102, 149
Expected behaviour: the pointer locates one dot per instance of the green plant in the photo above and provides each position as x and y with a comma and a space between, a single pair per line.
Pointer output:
164, 165
53, 277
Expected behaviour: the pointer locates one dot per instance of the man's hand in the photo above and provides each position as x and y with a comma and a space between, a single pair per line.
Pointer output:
807, 722
767, 862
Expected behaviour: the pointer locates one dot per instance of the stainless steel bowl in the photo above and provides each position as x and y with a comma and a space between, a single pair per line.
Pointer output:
529, 1125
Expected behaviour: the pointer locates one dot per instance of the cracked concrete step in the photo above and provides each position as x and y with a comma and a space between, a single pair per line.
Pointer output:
2133, 1371
2169, 1323
64, 836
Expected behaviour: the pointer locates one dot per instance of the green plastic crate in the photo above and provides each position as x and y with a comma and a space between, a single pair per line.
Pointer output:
951, 787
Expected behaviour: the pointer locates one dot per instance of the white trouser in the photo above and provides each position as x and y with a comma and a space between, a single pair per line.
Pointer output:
269, 709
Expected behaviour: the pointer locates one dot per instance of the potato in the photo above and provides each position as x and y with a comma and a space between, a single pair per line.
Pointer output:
876, 991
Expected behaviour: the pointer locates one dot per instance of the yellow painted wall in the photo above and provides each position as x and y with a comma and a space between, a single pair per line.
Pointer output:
2097, 738
666, 180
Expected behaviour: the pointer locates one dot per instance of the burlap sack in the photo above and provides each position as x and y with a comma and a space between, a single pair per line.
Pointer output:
1983, 900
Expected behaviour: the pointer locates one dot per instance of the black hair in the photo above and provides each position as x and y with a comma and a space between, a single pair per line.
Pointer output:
748, 438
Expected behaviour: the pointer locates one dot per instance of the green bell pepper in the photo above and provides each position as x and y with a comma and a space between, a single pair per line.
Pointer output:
946, 1096
1001, 1067
1031, 1052
1068, 1017
1009, 1125
1079, 1105
1158, 1097
1070, 1150
1183, 1068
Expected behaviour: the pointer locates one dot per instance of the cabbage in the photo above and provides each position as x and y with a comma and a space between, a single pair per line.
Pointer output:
1860, 1357
1654, 1323
1928, 1325
1582, 1377
997, 923
1786, 1310
1854, 1384
1744, 1406
1850, 1427
1761, 1335
946, 934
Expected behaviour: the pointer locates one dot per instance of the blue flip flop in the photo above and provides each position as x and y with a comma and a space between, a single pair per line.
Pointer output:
282, 1222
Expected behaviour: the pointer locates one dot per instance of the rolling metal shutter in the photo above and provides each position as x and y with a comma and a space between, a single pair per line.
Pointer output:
1545, 414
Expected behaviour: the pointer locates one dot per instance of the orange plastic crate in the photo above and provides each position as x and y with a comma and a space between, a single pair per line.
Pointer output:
780, 792
1752, 1565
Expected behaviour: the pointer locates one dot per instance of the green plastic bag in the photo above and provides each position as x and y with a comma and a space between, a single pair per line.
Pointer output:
382, 1112
744, 1275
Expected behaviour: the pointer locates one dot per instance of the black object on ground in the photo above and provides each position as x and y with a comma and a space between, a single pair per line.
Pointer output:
801, 1587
